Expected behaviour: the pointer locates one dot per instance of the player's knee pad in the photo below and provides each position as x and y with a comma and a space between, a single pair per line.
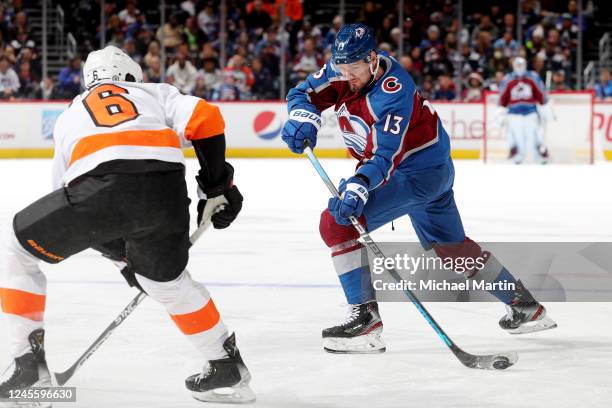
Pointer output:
177, 294
460, 252
334, 234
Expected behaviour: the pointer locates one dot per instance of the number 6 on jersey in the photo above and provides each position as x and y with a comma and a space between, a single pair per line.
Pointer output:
107, 107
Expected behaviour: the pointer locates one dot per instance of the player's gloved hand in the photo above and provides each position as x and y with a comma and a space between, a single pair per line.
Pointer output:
353, 197
221, 202
302, 126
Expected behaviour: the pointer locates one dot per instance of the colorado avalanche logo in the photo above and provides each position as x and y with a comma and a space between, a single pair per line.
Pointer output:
359, 32
391, 85
354, 130
267, 125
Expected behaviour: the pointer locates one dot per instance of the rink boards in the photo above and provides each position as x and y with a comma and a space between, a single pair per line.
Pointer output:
253, 129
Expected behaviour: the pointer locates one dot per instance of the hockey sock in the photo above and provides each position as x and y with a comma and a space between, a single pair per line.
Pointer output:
354, 275
494, 272
192, 310
23, 289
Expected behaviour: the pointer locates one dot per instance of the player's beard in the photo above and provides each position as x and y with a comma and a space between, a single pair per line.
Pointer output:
359, 85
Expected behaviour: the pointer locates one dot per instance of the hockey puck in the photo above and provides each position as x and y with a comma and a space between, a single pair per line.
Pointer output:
501, 363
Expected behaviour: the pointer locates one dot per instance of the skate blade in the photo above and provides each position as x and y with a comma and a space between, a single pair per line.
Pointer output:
371, 343
546, 323
240, 393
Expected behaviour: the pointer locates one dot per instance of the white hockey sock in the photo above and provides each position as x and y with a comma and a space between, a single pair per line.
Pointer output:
23, 289
193, 311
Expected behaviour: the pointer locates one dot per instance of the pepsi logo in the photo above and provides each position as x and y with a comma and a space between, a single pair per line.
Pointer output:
267, 125
391, 85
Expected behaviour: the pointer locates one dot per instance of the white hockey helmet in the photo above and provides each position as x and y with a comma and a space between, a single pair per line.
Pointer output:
519, 65
110, 63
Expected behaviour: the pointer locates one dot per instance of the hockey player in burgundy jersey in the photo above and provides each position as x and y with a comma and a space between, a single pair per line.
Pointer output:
404, 168
520, 94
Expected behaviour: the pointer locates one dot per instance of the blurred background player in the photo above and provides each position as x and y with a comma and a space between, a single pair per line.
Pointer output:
119, 180
520, 95
404, 169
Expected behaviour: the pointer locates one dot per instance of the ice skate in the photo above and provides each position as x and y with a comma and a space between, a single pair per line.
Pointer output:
225, 380
359, 333
525, 314
28, 370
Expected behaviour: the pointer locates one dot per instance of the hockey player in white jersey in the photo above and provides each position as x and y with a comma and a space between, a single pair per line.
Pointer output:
521, 93
119, 187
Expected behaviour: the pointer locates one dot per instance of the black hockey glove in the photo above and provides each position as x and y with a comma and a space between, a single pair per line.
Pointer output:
224, 199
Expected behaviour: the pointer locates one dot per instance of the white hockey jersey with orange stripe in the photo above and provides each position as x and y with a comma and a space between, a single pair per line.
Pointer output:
127, 120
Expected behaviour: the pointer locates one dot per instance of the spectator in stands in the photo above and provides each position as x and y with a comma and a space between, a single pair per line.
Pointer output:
28, 83
9, 81
29, 55
308, 31
271, 60
306, 62
330, 37
406, 63
171, 32
417, 61
264, 85
558, 81
241, 74
495, 83
200, 87
129, 46
509, 23
129, 14
69, 79
228, 91
153, 71
182, 74
568, 31
114, 31
48, 90
153, 52
269, 38
213, 77
485, 26
9, 52
427, 89
257, 17
507, 44
473, 91
193, 35
20, 24
432, 40
22, 40
445, 91
371, 14
208, 21
603, 88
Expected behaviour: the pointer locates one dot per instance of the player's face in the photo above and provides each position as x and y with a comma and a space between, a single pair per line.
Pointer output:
357, 74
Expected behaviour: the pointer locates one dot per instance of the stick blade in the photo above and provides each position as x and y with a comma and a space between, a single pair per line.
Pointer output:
499, 361
62, 378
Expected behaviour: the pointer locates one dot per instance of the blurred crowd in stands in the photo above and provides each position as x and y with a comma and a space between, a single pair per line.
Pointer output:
440, 54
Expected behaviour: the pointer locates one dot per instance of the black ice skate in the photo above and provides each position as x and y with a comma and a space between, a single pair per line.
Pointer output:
226, 380
28, 370
525, 314
359, 333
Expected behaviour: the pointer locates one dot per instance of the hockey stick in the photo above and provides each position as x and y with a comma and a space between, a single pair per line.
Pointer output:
63, 377
488, 362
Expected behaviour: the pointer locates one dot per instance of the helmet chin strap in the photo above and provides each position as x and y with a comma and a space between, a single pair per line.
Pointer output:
374, 70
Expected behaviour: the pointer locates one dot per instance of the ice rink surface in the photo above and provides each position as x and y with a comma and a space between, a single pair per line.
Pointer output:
273, 282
